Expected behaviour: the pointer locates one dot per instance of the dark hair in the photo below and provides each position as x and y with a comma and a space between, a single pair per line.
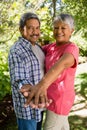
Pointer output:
27, 16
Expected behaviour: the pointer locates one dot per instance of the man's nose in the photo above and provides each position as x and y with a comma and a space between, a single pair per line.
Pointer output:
34, 30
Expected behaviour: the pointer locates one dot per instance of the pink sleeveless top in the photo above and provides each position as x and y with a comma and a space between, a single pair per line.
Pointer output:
62, 90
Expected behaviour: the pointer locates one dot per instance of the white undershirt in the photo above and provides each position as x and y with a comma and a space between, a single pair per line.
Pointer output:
40, 56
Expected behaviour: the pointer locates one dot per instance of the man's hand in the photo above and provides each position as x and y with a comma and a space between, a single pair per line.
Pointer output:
25, 90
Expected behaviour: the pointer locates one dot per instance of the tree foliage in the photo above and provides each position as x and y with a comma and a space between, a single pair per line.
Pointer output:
10, 12
78, 8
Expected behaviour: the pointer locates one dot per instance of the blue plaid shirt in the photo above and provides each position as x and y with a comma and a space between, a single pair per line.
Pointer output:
24, 68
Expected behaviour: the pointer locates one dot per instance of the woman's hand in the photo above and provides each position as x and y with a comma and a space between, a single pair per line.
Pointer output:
36, 96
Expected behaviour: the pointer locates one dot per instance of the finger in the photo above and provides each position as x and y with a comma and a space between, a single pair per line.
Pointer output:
42, 99
22, 90
41, 105
25, 88
30, 97
32, 104
48, 102
25, 94
36, 100
44, 105
42, 102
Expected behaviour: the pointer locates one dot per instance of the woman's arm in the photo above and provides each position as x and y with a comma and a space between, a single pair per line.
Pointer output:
39, 91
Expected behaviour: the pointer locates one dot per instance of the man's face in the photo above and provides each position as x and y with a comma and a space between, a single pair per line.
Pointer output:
31, 30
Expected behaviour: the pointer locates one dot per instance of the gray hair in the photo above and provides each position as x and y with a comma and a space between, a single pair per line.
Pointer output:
66, 18
27, 16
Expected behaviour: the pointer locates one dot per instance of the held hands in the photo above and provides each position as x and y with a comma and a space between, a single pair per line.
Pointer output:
36, 96
25, 90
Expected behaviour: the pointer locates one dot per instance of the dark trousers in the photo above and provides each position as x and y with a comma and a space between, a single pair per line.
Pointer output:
39, 124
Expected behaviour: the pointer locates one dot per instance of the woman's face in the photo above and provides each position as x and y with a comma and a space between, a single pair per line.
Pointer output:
62, 32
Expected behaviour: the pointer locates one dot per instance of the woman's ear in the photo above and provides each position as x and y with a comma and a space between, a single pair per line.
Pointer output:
72, 30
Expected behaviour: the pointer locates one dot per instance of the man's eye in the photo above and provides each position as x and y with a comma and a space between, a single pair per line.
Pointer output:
56, 28
29, 27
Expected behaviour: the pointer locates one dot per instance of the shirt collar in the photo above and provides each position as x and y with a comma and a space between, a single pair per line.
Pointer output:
25, 42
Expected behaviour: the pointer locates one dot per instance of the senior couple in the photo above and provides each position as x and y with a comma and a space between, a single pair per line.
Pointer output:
32, 89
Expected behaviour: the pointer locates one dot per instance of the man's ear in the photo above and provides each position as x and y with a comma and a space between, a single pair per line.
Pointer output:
21, 30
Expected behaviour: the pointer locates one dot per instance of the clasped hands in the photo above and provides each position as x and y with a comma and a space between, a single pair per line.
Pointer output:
36, 96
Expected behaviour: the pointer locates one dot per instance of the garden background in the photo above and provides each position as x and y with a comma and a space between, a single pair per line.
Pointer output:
10, 12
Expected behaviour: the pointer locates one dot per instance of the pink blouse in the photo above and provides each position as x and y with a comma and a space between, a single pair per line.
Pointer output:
62, 90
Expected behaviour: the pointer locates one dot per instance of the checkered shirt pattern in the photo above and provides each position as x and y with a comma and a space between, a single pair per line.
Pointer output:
24, 68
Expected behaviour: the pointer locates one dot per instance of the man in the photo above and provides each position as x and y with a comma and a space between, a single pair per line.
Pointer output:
26, 66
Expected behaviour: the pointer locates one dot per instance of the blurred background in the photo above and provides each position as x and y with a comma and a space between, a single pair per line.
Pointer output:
10, 12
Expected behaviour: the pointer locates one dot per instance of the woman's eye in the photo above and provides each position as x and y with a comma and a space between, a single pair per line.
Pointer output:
63, 28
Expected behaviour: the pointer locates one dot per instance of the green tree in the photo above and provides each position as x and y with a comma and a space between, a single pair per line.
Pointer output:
10, 12
79, 10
